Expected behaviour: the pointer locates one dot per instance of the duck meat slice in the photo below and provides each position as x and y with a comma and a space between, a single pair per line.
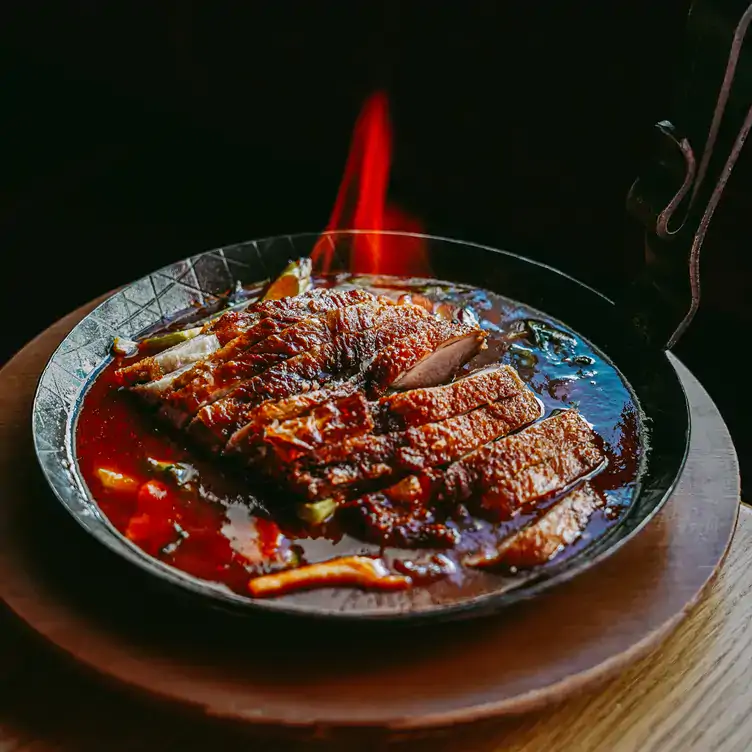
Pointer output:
363, 459
504, 497
327, 424
531, 471
404, 328
495, 464
503, 459
222, 330
175, 380
269, 415
427, 360
217, 379
418, 406
282, 421
344, 357
546, 537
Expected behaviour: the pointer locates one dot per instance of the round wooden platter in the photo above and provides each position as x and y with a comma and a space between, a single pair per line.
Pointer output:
321, 679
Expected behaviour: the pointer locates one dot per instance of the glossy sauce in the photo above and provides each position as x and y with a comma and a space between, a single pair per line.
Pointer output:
217, 526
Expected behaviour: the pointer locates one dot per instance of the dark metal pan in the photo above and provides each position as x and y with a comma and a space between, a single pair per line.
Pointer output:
674, 199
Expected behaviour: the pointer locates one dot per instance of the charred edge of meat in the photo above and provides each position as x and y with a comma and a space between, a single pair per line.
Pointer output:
326, 424
259, 331
276, 412
388, 523
305, 336
393, 414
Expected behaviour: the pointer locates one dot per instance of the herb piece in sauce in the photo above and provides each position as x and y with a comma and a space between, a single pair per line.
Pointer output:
317, 512
181, 472
163, 341
546, 337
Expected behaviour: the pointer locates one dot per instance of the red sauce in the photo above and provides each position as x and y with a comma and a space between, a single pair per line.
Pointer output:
215, 526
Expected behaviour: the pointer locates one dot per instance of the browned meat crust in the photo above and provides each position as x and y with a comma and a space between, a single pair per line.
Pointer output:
370, 457
235, 323
505, 496
348, 353
326, 424
392, 523
543, 539
396, 412
501, 476
274, 412
502, 460
217, 379
418, 406
399, 357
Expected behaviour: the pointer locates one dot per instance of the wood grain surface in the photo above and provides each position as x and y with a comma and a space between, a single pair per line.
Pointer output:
693, 693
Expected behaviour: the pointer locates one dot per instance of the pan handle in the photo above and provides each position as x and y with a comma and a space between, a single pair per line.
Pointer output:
679, 188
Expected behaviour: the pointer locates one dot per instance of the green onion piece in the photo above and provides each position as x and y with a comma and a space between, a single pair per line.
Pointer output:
317, 512
163, 341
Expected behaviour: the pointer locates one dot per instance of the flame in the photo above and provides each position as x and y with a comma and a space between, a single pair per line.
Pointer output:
361, 204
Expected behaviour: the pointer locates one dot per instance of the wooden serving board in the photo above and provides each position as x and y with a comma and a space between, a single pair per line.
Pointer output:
323, 679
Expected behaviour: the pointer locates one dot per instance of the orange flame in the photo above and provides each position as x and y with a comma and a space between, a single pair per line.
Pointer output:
361, 204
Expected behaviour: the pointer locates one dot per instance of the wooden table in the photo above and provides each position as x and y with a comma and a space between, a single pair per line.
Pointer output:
694, 693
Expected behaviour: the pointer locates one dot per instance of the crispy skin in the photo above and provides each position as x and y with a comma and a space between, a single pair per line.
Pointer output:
418, 406
218, 379
161, 388
275, 412
234, 323
401, 356
351, 349
313, 301
388, 456
324, 425
543, 539
259, 331
506, 495
503, 475
503, 459
396, 412
284, 310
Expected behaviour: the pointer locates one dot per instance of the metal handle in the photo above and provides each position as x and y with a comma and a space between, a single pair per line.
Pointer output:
678, 191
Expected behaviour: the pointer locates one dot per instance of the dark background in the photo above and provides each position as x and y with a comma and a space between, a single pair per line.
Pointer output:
134, 134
